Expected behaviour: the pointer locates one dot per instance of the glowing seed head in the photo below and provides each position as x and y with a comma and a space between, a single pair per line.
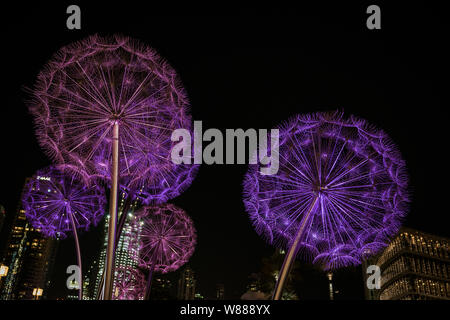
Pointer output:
50, 211
129, 284
167, 237
346, 174
91, 85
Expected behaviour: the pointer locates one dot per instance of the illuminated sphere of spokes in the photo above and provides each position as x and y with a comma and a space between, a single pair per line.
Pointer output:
167, 238
52, 195
129, 284
90, 86
151, 176
341, 178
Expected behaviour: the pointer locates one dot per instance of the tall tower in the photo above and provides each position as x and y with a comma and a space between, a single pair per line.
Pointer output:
89, 281
414, 266
126, 253
186, 285
30, 258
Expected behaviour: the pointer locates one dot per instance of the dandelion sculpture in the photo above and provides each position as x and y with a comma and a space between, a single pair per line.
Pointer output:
167, 239
129, 284
146, 187
152, 176
108, 106
339, 194
57, 204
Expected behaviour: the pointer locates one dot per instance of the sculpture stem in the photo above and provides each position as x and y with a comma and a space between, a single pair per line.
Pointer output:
109, 265
290, 256
149, 282
77, 247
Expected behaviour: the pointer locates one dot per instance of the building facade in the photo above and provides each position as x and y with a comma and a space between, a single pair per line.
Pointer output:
89, 280
126, 253
30, 258
220, 291
414, 266
162, 289
186, 285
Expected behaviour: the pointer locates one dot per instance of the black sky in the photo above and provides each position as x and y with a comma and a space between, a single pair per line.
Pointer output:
252, 68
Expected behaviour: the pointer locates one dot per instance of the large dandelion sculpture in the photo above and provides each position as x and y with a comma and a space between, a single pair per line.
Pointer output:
339, 194
129, 285
108, 106
167, 239
58, 204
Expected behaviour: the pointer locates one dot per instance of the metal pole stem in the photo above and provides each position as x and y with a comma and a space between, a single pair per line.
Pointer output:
290, 257
109, 265
77, 246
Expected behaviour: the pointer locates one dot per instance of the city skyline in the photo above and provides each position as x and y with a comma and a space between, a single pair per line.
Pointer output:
13, 288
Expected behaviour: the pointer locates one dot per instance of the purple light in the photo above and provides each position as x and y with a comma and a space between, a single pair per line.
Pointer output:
50, 211
151, 175
129, 284
347, 173
167, 239
92, 84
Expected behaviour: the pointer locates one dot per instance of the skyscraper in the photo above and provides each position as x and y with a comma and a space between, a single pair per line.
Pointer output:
162, 289
186, 285
126, 253
220, 291
89, 280
30, 258
414, 266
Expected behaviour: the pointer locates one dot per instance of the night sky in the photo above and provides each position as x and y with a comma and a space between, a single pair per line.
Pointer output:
251, 68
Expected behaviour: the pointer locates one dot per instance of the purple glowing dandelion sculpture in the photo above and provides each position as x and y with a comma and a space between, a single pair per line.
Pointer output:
57, 204
129, 285
167, 239
108, 106
341, 191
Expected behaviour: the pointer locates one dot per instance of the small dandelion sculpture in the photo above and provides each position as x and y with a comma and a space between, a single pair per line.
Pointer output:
57, 204
167, 239
339, 194
108, 106
129, 284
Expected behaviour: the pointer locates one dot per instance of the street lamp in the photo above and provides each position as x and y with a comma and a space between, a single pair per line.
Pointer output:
37, 292
3, 273
330, 284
